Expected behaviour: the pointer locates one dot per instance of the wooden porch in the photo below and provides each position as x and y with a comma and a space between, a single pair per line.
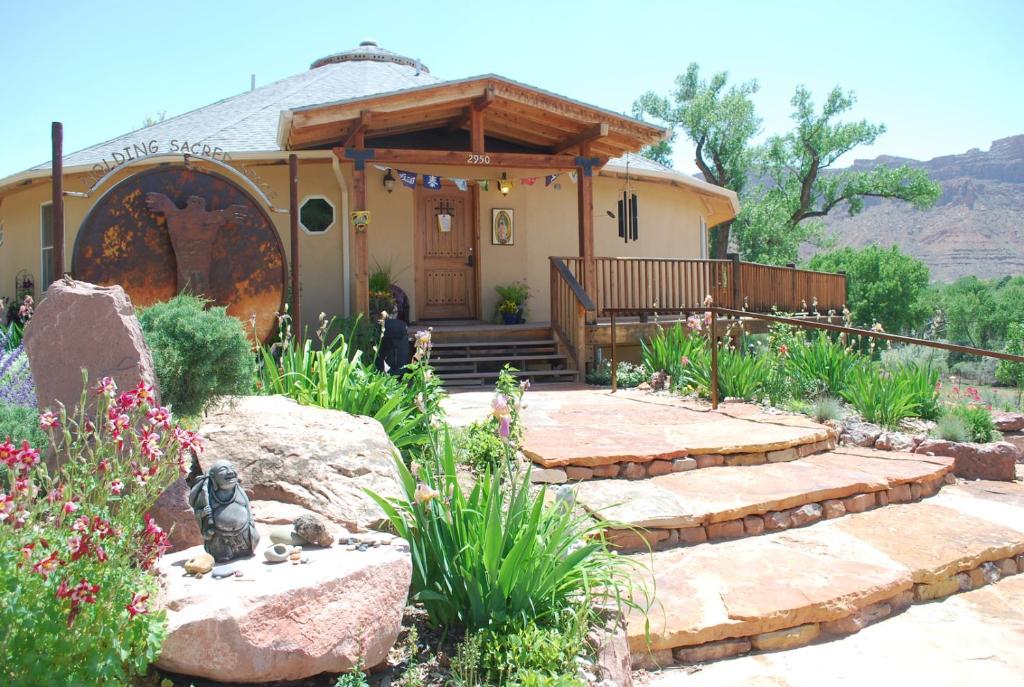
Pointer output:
580, 315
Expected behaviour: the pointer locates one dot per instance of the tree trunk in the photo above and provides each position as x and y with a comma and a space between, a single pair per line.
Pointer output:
720, 235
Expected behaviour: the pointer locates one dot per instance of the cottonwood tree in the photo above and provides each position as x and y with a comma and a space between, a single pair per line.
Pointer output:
798, 187
720, 120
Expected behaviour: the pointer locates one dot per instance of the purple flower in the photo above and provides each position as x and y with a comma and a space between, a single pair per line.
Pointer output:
16, 384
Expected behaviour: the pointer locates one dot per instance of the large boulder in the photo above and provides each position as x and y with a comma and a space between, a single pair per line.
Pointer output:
1008, 422
84, 326
319, 459
283, 621
994, 461
172, 512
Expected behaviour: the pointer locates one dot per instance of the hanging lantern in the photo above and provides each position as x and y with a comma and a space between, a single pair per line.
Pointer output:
389, 181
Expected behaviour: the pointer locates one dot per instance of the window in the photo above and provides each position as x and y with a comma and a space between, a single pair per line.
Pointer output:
703, 239
316, 215
46, 245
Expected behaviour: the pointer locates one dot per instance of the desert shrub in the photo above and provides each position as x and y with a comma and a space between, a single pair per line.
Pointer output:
524, 654
16, 384
497, 553
77, 547
629, 375
879, 396
978, 421
200, 353
922, 356
981, 371
827, 408
334, 375
20, 422
951, 427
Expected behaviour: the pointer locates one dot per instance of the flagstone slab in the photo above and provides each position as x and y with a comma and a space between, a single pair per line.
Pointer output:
934, 540
591, 427
701, 497
748, 587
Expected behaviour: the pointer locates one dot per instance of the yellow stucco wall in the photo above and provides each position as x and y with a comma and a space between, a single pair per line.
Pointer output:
545, 225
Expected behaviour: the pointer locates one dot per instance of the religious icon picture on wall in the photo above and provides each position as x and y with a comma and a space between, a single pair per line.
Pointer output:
502, 226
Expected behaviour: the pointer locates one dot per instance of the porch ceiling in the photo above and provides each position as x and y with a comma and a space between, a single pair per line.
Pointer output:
550, 123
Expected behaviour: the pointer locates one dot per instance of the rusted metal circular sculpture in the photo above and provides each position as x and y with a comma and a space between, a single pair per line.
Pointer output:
176, 229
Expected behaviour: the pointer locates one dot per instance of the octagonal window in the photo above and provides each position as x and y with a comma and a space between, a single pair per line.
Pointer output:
316, 215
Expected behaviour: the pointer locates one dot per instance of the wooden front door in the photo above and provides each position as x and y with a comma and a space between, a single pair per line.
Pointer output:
445, 257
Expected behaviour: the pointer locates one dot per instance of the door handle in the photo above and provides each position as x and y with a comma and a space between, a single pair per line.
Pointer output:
470, 260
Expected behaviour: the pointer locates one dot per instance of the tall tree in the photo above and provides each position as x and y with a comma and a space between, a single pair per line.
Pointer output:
800, 188
720, 120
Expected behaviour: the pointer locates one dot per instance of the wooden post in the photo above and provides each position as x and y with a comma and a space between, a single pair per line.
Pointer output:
585, 203
57, 214
737, 288
714, 358
293, 222
792, 286
581, 342
615, 362
476, 130
362, 249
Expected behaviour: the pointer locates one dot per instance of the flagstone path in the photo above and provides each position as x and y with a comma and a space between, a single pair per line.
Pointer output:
787, 541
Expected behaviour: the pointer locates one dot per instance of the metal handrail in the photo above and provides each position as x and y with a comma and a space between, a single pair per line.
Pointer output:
792, 321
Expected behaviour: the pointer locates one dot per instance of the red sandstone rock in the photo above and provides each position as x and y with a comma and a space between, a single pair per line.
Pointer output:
859, 503
860, 434
995, 461
733, 529
172, 512
805, 515
80, 325
895, 441
1008, 422
633, 471
659, 467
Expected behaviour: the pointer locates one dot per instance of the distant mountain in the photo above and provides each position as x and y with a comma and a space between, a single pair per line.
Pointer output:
976, 226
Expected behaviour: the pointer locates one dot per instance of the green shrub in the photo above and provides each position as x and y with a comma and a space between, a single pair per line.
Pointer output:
521, 654
497, 553
978, 421
628, 376
827, 408
479, 445
820, 365
335, 376
977, 371
922, 384
951, 427
1011, 373
200, 353
879, 396
742, 375
76, 569
19, 423
922, 356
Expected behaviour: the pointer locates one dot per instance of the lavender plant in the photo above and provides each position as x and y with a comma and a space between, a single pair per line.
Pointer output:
16, 384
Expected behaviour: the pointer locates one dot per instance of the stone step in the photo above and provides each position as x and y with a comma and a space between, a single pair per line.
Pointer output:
685, 508
792, 588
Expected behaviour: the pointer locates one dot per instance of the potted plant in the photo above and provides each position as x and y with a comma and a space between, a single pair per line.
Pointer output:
512, 302
385, 295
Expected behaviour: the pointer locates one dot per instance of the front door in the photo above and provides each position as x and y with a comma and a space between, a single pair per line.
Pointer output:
445, 261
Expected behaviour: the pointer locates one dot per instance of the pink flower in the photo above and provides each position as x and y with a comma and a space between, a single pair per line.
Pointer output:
8, 453
106, 386
684, 361
188, 441
47, 565
159, 417
693, 323
81, 524
783, 350
79, 546
27, 456
116, 487
143, 393
137, 606
125, 401
48, 420
707, 318
103, 465
71, 507
505, 427
84, 593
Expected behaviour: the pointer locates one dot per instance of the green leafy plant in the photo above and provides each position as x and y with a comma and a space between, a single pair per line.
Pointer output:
680, 353
508, 307
522, 654
879, 396
1008, 372
77, 545
978, 421
496, 553
923, 386
200, 353
820, 365
517, 292
629, 375
21, 422
742, 375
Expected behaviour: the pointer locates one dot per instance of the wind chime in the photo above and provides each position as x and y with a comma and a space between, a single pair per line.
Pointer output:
629, 226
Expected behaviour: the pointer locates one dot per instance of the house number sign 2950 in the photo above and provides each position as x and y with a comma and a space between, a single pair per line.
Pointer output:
479, 159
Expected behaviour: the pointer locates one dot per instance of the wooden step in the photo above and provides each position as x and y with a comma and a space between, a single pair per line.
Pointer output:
788, 589
692, 507
519, 373
498, 359
478, 345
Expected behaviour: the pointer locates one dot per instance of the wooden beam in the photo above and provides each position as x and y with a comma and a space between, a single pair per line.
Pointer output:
591, 133
476, 131
293, 223
477, 106
357, 128
464, 158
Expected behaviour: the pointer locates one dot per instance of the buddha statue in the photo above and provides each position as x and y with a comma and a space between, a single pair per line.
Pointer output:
222, 510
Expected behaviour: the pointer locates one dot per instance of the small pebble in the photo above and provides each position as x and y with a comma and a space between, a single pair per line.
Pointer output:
239, 573
350, 547
305, 560
362, 547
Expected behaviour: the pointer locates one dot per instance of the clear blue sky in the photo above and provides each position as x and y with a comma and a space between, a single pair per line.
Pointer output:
943, 76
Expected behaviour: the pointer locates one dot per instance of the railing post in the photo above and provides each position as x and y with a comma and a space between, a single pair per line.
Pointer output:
615, 356
792, 286
554, 297
714, 358
737, 289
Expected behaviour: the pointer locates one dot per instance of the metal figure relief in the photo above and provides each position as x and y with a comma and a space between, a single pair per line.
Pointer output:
193, 229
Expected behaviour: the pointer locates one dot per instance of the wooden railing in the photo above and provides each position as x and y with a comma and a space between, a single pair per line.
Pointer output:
569, 307
788, 289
